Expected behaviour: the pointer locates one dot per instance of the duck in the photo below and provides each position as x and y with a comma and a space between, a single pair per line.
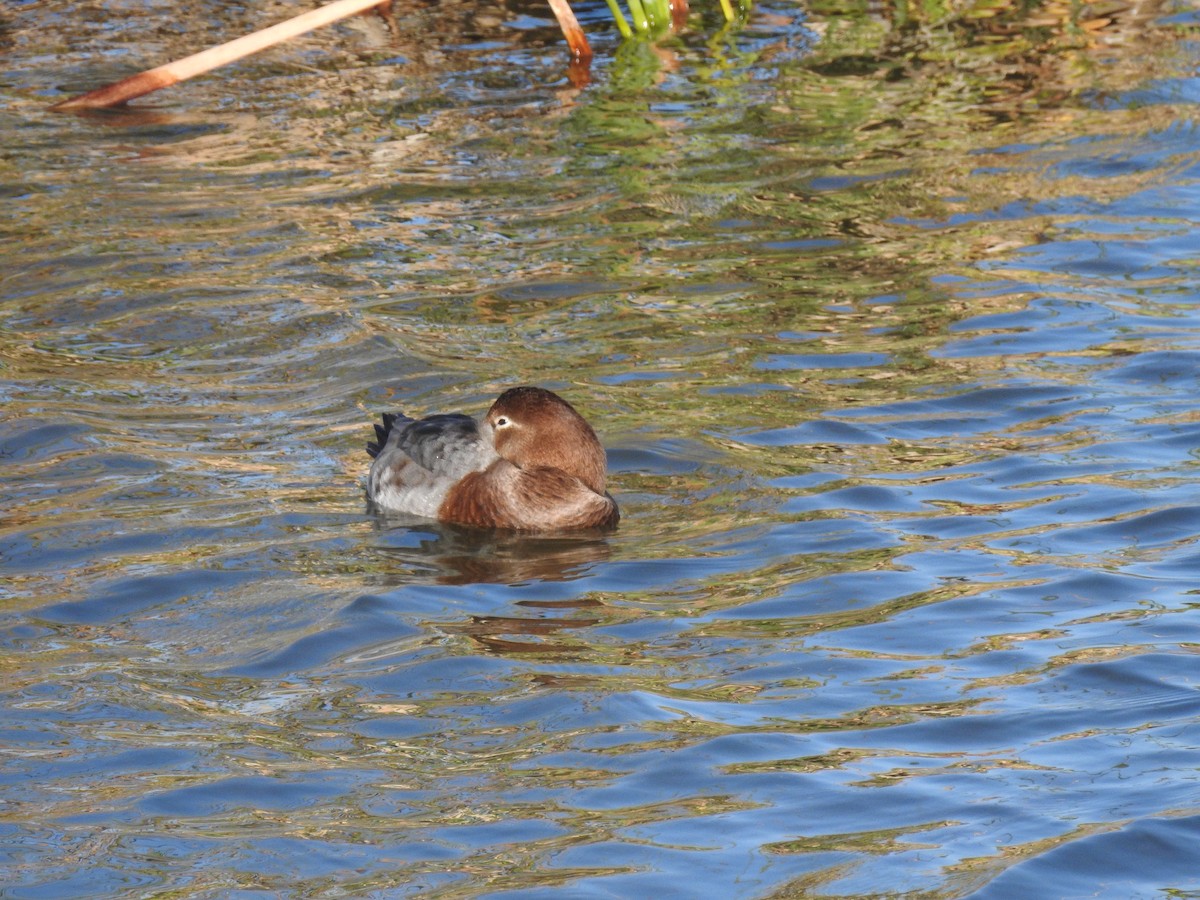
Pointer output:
530, 463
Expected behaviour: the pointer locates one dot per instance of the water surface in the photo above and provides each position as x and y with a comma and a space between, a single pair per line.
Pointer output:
891, 333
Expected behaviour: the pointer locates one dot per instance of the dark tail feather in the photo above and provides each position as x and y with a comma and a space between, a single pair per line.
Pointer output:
381, 435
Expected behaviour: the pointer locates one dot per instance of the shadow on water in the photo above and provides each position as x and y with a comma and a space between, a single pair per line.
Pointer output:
886, 317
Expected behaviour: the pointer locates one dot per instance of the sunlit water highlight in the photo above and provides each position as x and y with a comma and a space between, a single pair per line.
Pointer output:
899, 383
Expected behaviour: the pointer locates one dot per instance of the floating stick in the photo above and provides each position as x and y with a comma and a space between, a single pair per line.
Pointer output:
206, 60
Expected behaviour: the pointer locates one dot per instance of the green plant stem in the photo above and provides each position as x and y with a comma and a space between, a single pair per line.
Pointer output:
619, 18
659, 12
640, 22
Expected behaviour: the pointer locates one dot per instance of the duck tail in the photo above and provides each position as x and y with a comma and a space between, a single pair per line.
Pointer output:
381, 434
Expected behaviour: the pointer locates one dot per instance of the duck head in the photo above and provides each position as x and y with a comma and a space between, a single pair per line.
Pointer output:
535, 427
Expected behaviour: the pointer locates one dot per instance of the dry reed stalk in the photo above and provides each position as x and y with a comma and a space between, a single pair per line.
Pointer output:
576, 40
206, 60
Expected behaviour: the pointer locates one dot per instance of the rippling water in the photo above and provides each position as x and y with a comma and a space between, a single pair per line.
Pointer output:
896, 359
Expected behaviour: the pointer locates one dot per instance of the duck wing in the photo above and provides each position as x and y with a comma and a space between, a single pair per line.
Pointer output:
417, 461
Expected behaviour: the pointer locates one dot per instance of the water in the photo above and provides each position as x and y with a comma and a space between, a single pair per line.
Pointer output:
895, 352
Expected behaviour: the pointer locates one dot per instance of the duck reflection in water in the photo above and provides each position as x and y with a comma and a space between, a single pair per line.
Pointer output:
438, 553
452, 555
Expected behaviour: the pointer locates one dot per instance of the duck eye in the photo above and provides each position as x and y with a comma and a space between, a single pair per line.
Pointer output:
501, 422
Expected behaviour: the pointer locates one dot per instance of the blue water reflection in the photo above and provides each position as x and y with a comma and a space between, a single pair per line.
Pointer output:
900, 416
